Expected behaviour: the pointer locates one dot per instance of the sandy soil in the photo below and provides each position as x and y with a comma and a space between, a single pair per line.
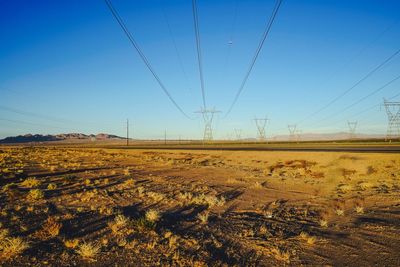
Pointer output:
75, 206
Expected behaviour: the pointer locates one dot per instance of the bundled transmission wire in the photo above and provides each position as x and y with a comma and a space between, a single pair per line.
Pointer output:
370, 73
198, 46
253, 61
142, 56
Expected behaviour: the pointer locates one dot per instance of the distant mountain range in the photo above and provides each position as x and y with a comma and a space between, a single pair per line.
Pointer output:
27, 138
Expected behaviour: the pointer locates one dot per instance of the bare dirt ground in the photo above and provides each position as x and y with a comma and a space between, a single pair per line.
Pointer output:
91, 206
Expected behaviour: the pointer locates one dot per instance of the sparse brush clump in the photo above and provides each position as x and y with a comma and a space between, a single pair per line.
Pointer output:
88, 251
203, 217
31, 182
35, 194
71, 243
50, 229
51, 186
359, 205
208, 200
120, 224
129, 182
152, 215
281, 255
157, 197
310, 240
10, 246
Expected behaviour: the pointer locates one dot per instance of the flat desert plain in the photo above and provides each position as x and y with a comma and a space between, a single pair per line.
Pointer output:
100, 207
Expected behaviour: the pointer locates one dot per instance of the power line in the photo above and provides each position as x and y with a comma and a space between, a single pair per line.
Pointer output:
26, 113
33, 124
178, 55
143, 57
362, 98
363, 111
253, 61
198, 45
370, 73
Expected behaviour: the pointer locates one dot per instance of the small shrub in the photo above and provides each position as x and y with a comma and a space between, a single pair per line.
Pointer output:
52, 227
71, 243
152, 215
11, 247
323, 223
359, 209
129, 182
203, 217
31, 182
88, 250
35, 194
339, 212
120, 223
52, 186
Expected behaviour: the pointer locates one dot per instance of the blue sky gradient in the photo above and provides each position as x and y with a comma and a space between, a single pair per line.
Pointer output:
66, 66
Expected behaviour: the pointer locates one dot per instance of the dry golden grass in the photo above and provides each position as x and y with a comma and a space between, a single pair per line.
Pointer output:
88, 251
71, 243
35, 194
203, 217
10, 246
31, 182
51, 186
152, 215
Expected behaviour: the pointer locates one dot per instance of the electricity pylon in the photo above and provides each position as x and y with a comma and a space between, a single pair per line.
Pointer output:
238, 133
298, 135
393, 113
261, 123
208, 116
352, 129
292, 132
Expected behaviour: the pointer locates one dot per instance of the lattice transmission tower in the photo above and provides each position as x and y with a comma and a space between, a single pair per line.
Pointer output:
292, 132
208, 116
352, 129
393, 113
298, 135
261, 123
238, 133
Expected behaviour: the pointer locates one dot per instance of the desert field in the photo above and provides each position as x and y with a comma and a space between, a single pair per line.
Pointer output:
148, 207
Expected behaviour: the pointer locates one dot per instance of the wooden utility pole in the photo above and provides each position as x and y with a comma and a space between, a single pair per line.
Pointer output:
127, 132
165, 137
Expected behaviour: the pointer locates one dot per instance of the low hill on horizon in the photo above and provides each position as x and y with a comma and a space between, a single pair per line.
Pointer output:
28, 138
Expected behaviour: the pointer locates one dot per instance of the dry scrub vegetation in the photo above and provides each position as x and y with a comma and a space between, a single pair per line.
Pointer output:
76, 206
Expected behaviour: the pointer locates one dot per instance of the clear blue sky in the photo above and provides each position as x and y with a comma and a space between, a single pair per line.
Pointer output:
70, 64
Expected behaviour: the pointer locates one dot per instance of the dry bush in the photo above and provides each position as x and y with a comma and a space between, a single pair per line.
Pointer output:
88, 251
152, 215
51, 228
281, 255
71, 243
120, 224
129, 183
31, 182
339, 211
11, 246
157, 197
52, 186
140, 191
208, 200
310, 240
203, 217
35, 194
